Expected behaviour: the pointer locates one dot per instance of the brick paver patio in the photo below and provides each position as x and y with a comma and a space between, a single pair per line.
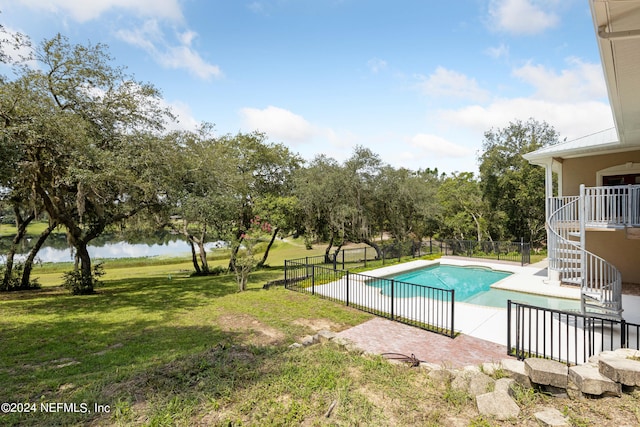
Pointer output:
380, 336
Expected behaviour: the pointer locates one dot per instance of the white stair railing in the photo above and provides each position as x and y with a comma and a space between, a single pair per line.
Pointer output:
600, 282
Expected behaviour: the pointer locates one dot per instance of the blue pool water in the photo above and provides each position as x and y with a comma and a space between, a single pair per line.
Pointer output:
471, 284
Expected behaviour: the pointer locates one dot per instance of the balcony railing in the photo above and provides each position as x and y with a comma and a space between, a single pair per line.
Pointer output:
615, 206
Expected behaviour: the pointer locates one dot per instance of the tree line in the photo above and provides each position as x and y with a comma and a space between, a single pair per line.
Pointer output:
86, 145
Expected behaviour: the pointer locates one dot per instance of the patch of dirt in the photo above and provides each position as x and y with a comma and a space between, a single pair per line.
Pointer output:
257, 333
319, 324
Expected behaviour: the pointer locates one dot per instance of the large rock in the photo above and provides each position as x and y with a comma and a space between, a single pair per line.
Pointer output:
589, 380
472, 382
547, 372
325, 335
497, 404
505, 385
624, 371
515, 369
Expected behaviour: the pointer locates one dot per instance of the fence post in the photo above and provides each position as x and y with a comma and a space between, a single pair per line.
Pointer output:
342, 258
392, 298
313, 280
623, 333
286, 282
509, 327
347, 275
453, 305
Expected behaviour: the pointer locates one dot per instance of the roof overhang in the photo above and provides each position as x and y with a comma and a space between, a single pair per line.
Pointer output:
617, 25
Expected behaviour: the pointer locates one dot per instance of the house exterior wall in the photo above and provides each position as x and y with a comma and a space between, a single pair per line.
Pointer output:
583, 170
623, 253
614, 246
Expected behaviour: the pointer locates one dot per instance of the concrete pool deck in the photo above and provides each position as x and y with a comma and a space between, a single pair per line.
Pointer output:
490, 323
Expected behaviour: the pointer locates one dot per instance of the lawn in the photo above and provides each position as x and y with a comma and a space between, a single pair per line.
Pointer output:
157, 347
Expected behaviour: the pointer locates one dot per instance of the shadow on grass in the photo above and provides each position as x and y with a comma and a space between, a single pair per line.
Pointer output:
147, 294
126, 364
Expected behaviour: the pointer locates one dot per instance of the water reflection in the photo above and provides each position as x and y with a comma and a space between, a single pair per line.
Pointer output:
121, 250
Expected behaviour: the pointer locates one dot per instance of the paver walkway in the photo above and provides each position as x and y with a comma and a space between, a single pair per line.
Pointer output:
380, 336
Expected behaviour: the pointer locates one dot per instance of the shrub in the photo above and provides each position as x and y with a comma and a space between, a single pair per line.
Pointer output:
74, 282
15, 281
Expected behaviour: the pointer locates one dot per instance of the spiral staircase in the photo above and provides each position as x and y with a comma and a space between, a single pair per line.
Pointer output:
596, 208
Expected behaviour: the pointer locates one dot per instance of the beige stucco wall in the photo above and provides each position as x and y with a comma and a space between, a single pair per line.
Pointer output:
583, 170
617, 249
614, 246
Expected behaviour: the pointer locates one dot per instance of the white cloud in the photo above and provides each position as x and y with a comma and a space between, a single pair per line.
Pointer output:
86, 10
184, 116
582, 81
16, 47
571, 120
436, 146
150, 37
449, 83
279, 123
256, 7
498, 52
376, 65
521, 16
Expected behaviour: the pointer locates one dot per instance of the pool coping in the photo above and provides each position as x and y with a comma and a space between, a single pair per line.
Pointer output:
524, 279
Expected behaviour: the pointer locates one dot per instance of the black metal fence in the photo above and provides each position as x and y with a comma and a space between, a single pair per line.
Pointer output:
367, 256
564, 336
422, 306
501, 251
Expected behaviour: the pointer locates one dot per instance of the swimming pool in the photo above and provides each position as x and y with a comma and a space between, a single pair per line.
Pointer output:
471, 284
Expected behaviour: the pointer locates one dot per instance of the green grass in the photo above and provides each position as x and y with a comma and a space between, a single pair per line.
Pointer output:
157, 347
144, 337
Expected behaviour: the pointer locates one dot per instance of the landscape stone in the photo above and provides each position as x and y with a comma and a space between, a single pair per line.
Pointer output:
325, 335
547, 372
427, 366
624, 371
308, 340
481, 383
626, 353
490, 368
504, 385
589, 380
551, 417
498, 405
473, 382
515, 369
440, 375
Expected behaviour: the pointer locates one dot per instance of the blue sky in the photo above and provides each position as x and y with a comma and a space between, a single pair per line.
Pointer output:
416, 81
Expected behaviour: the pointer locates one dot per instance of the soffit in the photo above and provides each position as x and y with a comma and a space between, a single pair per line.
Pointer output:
618, 25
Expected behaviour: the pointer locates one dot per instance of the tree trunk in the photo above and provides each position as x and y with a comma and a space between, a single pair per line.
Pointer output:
194, 257
234, 255
86, 276
327, 258
28, 264
375, 246
266, 252
21, 226
203, 256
